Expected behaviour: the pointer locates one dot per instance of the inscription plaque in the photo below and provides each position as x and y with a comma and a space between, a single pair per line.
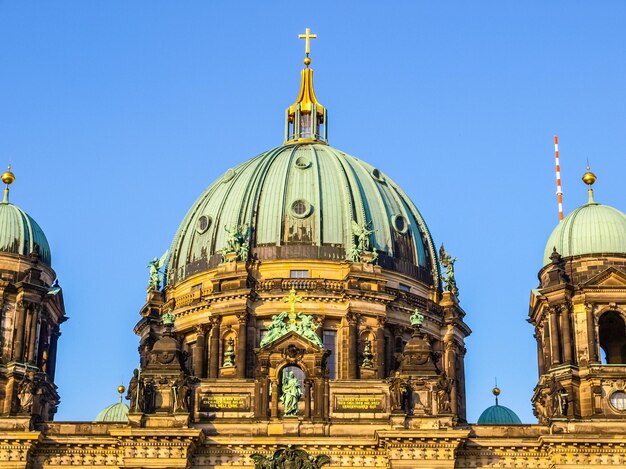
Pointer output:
224, 402
359, 403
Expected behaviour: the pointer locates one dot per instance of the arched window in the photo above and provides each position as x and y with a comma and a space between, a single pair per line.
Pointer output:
612, 330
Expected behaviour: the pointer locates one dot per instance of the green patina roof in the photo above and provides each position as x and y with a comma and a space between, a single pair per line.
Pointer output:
498, 415
117, 412
590, 229
19, 233
336, 189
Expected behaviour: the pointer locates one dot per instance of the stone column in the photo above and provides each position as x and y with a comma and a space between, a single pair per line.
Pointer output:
20, 317
307, 398
262, 387
353, 345
566, 330
275, 398
33, 327
380, 348
555, 346
9, 395
198, 352
450, 350
242, 340
545, 330
540, 357
214, 348
592, 342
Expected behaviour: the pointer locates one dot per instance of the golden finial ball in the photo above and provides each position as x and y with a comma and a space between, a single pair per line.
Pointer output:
496, 391
121, 389
589, 178
8, 177
307, 61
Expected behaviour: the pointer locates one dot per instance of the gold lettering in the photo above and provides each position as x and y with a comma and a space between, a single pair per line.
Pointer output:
371, 403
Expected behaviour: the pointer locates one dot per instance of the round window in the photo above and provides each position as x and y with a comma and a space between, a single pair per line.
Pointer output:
618, 400
302, 162
400, 224
300, 208
203, 224
376, 174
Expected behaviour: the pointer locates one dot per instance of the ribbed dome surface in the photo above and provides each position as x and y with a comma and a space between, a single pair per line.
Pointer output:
498, 415
117, 412
590, 229
299, 202
19, 233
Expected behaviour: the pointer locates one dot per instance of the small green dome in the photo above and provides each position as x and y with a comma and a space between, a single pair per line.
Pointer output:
590, 229
19, 233
117, 412
299, 201
498, 415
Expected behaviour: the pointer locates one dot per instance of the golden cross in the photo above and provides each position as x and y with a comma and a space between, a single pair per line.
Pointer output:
307, 36
292, 299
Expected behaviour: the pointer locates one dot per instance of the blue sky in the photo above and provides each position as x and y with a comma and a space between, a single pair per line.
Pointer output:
116, 115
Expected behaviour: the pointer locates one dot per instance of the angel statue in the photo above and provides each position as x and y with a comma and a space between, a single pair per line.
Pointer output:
237, 242
448, 263
361, 242
155, 266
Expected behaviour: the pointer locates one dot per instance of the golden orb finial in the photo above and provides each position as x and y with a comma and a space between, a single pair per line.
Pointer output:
496, 391
307, 61
8, 177
589, 178
121, 389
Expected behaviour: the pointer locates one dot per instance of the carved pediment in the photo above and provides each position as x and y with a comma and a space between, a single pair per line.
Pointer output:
611, 277
292, 338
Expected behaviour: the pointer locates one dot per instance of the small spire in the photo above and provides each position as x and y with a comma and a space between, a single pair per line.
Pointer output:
496, 390
589, 178
121, 389
7, 177
306, 118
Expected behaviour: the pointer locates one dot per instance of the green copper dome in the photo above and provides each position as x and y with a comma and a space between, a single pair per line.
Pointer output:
19, 233
117, 412
498, 415
590, 229
299, 201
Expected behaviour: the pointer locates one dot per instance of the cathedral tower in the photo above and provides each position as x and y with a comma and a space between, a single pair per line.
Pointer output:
32, 311
579, 314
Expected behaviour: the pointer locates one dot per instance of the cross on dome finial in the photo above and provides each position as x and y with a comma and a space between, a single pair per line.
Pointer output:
307, 36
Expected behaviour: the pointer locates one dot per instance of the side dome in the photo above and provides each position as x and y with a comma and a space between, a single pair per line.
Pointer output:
299, 201
590, 229
117, 412
19, 233
498, 415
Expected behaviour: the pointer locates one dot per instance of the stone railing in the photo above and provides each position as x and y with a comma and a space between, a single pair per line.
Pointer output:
300, 284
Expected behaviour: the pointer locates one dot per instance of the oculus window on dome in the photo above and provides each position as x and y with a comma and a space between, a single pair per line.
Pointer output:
302, 162
400, 224
203, 224
301, 208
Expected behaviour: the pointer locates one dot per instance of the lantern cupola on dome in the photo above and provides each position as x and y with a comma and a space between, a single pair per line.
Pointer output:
306, 118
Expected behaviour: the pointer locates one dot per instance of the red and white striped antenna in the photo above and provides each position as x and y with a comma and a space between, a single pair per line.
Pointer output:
559, 191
